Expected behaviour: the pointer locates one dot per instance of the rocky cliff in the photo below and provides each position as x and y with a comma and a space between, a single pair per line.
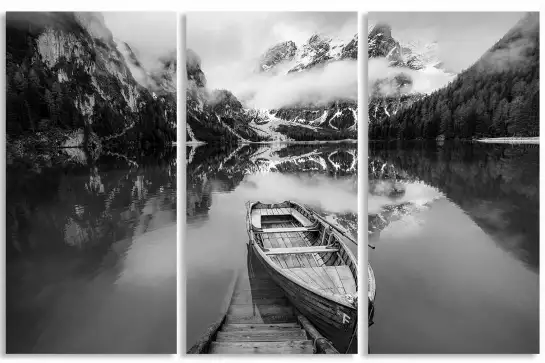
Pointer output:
66, 72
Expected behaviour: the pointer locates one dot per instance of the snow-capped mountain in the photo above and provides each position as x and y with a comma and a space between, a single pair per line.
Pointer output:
413, 54
418, 55
394, 91
227, 118
287, 57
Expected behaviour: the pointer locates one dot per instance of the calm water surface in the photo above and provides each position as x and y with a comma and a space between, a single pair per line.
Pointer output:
456, 229
91, 254
221, 181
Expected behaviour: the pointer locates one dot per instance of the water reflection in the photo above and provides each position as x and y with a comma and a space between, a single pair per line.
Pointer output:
496, 185
221, 180
457, 256
91, 244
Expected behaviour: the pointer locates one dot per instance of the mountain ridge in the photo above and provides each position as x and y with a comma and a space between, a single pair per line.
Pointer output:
390, 94
335, 119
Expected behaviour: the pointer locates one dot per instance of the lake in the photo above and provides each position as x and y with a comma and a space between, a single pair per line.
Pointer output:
219, 183
456, 230
91, 253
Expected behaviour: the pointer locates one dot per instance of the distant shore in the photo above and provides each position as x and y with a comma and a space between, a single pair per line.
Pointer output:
489, 140
511, 140
353, 141
194, 143
303, 142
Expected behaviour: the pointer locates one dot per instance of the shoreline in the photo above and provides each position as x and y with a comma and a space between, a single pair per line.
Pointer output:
488, 140
510, 140
351, 141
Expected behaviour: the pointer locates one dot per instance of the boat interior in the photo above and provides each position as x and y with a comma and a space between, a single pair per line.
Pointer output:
306, 249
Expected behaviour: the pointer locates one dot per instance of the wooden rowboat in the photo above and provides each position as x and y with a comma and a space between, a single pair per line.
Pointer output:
307, 258
257, 318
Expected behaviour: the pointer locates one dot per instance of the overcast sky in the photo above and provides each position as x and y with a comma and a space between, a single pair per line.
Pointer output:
150, 34
462, 37
229, 43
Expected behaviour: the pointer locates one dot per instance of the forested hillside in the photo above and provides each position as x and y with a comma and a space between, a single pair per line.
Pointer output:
67, 81
496, 97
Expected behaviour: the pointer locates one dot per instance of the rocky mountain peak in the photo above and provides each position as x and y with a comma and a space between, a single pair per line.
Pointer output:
381, 44
317, 50
381, 30
94, 23
419, 55
193, 68
278, 53
165, 75
350, 50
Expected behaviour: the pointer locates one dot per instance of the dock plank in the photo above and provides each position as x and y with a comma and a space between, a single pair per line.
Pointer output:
248, 299
261, 336
263, 314
249, 295
293, 347
260, 327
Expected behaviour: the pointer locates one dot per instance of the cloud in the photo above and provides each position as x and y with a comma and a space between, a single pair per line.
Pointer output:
384, 79
389, 81
151, 35
230, 45
337, 80
516, 53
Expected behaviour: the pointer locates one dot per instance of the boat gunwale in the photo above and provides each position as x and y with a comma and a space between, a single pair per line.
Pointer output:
337, 298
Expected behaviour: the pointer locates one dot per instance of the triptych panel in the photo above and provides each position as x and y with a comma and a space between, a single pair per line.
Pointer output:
269, 111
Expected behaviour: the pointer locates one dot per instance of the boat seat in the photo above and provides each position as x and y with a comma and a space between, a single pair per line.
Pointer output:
301, 218
257, 213
298, 250
288, 229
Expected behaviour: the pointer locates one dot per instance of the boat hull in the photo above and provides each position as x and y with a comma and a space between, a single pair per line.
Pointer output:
335, 321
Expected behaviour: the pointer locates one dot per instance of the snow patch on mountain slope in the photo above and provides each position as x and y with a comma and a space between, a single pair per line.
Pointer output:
355, 114
268, 125
337, 114
230, 129
191, 134
320, 120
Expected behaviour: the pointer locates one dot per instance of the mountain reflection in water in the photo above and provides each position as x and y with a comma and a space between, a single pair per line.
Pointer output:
456, 229
219, 183
91, 253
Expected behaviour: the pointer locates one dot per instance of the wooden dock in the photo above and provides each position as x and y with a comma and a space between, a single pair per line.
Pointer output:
261, 320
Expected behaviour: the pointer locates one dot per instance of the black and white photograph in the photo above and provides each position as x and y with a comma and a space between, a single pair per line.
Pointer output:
91, 182
270, 246
453, 199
